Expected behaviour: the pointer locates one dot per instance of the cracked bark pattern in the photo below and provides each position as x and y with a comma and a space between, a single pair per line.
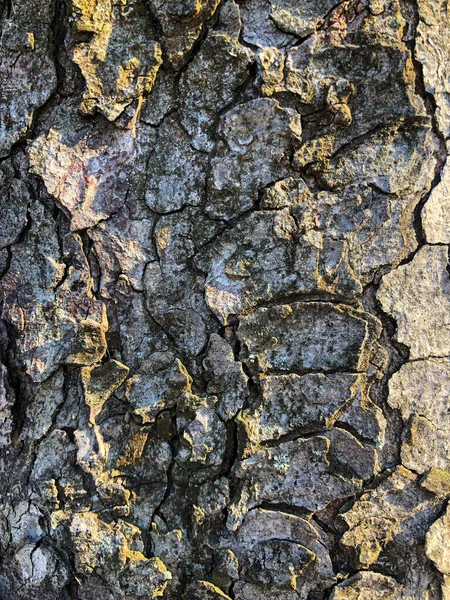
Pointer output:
225, 300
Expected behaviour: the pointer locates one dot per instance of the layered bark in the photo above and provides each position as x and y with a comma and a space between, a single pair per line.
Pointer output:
225, 300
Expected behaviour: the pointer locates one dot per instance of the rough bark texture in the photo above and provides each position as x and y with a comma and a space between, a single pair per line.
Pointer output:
225, 300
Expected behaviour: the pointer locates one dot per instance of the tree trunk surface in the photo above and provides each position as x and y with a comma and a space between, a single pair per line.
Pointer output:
225, 300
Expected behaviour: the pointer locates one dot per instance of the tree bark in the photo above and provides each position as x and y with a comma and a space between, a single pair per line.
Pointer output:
225, 300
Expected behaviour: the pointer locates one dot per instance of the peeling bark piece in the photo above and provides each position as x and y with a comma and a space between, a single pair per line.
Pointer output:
209, 86
271, 63
176, 173
365, 418
281, 552
23, 520
38, 566
135, 474
212, 499
296, 473
433, 53
437, 549
392, 518
351, 455
293, 403
286, 193
161, 100
258, 27
4, 261
300, 18
123, 246
40, 412
437, 482
6, 404
230, 21
174, 548
116, 71
326, 77
266, 560
226, 377
100, 382
202, 433
252, 262
226, 568
250, 591
139, 337
368, 584
27, 72
436, 212
331, 242
182, 23
92, 454
308, 336
255, 140
438, 543
87, 175
114, 553
420, 391
158, 384
174, 294
410, 151
143, 463
89, 345
50, 304
54, 462
14, 200
417, 296
203, 590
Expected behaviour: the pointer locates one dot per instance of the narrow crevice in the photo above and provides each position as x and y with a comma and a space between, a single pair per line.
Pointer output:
173, 443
